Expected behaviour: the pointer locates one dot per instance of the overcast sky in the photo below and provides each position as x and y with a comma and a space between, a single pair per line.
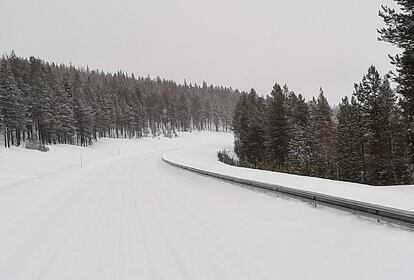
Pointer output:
242, 44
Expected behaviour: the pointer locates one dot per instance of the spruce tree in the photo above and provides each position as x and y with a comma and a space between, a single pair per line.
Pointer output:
349, 155
399, 31
196, 112
256, 132
400, 162
241, 127
64, 116
298, 156
277, 126
11, 106
322, 135
377, 105
59, 98
183, 113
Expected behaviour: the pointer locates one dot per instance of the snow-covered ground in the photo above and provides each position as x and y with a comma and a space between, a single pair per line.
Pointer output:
128, 215
400, 197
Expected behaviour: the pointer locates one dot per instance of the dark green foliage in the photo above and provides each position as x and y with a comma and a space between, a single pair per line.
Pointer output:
53, 103
224, 157
377, 105
183, 112
401, 173
321, 129
249, 129
371, 138
277, 126
11, 106
298, 149
240, 127
196, 112
399, 31
255, 136
349, 144
371, 142
363, 143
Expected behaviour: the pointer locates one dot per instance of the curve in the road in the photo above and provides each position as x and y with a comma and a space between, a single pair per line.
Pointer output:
389, 214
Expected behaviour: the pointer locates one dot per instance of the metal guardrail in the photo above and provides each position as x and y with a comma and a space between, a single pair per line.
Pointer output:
388, 214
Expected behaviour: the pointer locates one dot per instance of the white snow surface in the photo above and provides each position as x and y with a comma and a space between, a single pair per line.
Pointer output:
399, 197
128, 215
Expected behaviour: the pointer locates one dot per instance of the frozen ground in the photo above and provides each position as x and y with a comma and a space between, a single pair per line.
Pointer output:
400, 197
128, 215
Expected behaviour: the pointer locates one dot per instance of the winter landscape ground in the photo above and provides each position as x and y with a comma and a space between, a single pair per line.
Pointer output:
126, 214
399, 197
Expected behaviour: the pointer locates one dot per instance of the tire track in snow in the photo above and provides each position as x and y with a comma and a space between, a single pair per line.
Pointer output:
178, 221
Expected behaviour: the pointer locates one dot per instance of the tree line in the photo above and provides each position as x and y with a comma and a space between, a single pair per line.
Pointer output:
362, 141
50, 103
368, 138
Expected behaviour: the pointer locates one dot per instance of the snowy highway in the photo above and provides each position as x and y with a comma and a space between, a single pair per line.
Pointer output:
132, 216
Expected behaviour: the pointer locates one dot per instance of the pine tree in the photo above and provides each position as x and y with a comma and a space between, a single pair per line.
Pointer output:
40, 102
349, 155
183, 113
277, 134
322, 135
64, 116
63, 104
196, 112
376, 101
400, 162
298, 156
140, 113
103, 112
11, 106
241, 127
399, 31
256, 132
83, 116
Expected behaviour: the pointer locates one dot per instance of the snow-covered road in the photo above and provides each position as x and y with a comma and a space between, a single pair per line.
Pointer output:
136, 217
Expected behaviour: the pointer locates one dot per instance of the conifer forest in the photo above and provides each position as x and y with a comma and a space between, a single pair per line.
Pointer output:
368, 138
51, 103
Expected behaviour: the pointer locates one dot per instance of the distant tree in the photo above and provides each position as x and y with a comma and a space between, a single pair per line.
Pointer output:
400, 162
196, 112
376, 101
349, 149
278, 130
322, 131
363, 142
64, 116
11, 105
83, 116
183, 113
64, 104
241, 127
256, 130
298, 156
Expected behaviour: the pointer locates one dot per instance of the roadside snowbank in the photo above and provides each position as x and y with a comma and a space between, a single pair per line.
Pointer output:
30, 179
205, 158
18, 164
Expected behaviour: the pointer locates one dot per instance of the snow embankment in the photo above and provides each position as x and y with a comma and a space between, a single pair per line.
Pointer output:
18, 165
205, 158
29, 179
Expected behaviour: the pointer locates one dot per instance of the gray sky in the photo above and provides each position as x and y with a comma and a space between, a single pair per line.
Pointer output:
237, 43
